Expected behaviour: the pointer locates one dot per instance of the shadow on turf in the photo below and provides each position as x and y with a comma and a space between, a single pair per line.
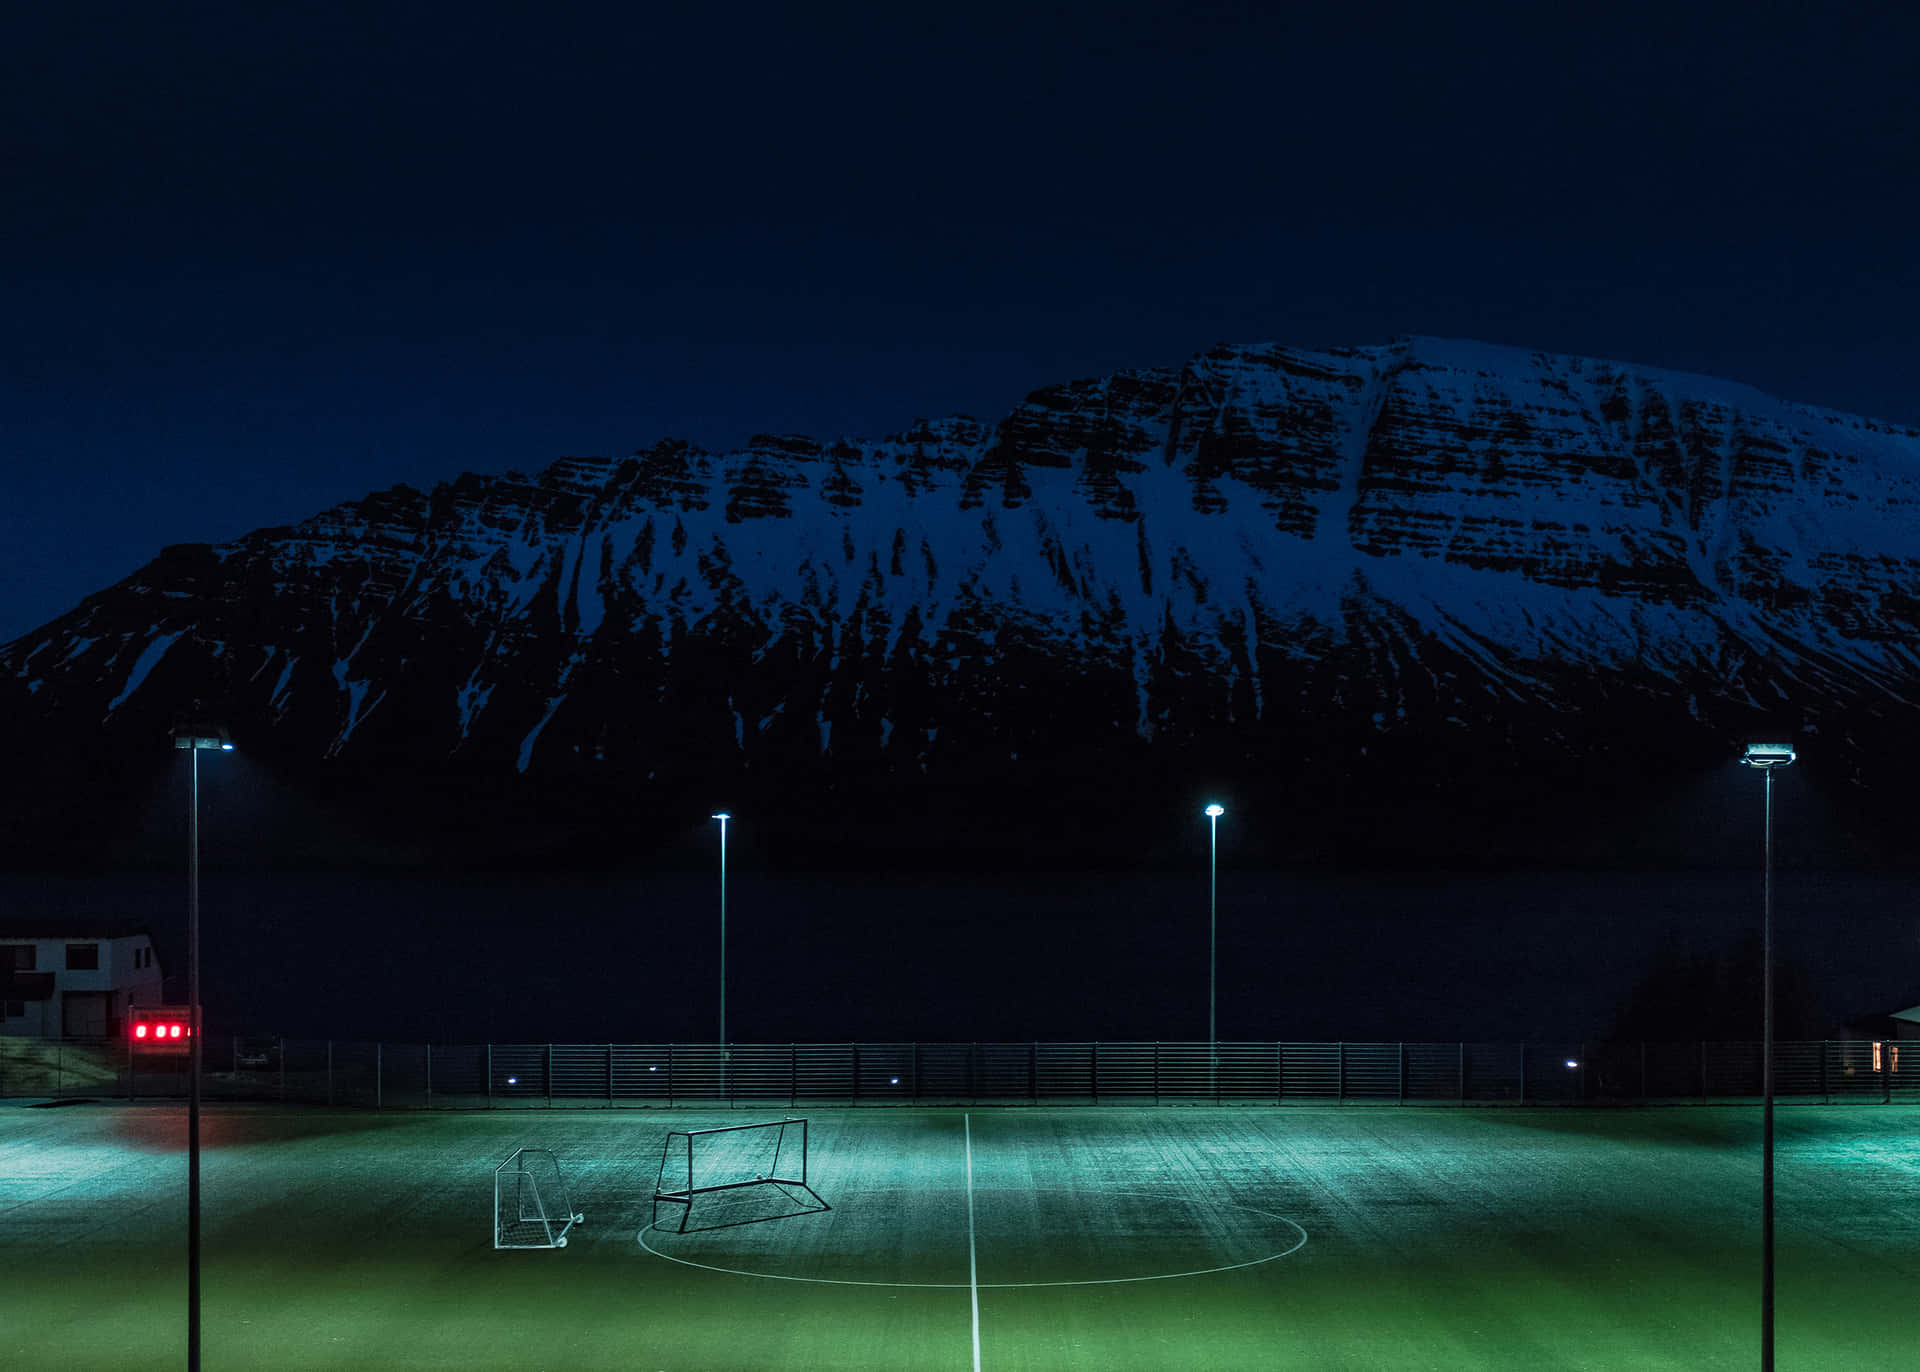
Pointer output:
748, 1205
161, 1126
1712, 1126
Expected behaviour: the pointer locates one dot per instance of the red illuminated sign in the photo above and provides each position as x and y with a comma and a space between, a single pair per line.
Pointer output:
163, 1027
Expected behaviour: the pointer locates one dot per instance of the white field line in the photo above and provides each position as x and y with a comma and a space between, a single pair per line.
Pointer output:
973, 1252
1292, 1248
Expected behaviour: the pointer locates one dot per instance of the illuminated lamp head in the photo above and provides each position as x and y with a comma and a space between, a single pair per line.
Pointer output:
1766, 755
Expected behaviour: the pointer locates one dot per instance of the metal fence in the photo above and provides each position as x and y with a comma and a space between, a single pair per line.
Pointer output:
416, 1076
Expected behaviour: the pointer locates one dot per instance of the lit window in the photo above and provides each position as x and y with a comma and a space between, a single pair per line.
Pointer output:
1876, 1055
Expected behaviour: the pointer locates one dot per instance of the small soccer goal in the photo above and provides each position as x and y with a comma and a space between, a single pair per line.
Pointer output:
531, 1208
702, 1162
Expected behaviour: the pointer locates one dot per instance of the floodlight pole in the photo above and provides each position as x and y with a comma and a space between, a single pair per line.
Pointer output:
193, 1068
1766, 1092
1213, 924
723, 817
1768, 757
193, 739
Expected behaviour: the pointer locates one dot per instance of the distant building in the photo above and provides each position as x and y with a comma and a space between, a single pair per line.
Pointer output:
73, 976
1894, 1025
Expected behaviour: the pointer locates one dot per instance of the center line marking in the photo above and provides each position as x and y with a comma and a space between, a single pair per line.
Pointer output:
973, 1255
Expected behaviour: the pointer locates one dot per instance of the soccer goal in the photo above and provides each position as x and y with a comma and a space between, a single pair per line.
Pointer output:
531, 1208
700, 1162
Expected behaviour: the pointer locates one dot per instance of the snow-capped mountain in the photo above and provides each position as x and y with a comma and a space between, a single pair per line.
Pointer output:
1432, 583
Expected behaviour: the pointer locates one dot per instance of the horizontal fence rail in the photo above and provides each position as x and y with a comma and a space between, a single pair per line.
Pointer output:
497, 1076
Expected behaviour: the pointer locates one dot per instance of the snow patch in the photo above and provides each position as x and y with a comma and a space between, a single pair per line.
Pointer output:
145, 663
533, 736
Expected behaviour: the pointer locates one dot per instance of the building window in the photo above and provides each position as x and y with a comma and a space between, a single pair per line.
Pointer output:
18, 956
83, 957
14, 1009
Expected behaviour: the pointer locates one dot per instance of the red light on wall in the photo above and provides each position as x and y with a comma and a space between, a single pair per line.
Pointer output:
139, 1031
173, 1031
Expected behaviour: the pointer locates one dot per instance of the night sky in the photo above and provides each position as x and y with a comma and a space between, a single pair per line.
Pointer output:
258, 259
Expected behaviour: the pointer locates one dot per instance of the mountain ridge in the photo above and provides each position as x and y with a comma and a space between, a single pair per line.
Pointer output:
1457, 555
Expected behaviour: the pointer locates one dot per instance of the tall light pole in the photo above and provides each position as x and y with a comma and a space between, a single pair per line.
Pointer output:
723, 817
194, 738
1769, 758
1213, 924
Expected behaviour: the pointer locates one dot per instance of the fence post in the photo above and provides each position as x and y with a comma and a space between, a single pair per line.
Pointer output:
1826, 1097
1096, 1072
1704, 1093
379, 1100
793, 1075
1887, 1051
1403, 1071
1340, 1072
129, 1058
1523, 1072
427, 1104
916, 1071
609, 1076
1643, 1071
489, 1076
549, 1075
856, 1072
329, 1071
1463, 1071
1033, 1071
1156, 1071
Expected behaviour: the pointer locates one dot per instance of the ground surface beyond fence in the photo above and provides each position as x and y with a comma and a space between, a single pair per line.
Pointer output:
613, 1075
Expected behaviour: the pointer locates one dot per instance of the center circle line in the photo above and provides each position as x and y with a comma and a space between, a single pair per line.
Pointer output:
1006, 1285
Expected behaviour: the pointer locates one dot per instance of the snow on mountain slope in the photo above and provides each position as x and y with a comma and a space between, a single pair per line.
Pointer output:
1426, 535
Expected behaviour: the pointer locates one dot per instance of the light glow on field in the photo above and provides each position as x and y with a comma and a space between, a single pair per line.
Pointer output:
1440, 1237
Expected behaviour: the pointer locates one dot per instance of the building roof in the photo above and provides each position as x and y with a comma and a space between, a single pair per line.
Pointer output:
1911, 1015
72, 926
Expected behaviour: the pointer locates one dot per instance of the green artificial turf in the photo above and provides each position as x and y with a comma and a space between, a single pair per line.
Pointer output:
1313, 1238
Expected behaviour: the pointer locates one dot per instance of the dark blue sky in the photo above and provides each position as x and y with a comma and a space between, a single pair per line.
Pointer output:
257, 259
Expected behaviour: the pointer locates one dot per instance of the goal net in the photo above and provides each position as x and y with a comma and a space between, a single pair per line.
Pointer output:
700, 1162
531, 1207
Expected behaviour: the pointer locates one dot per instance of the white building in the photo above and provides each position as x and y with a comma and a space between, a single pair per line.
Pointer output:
73, 976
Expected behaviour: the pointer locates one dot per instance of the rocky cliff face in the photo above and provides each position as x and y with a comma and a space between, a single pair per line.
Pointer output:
1407, 598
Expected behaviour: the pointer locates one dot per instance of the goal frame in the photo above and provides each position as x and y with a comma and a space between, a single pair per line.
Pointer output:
683, 1196
512, 1181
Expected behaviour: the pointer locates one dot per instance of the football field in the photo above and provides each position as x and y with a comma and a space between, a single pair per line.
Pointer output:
1042, 1238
